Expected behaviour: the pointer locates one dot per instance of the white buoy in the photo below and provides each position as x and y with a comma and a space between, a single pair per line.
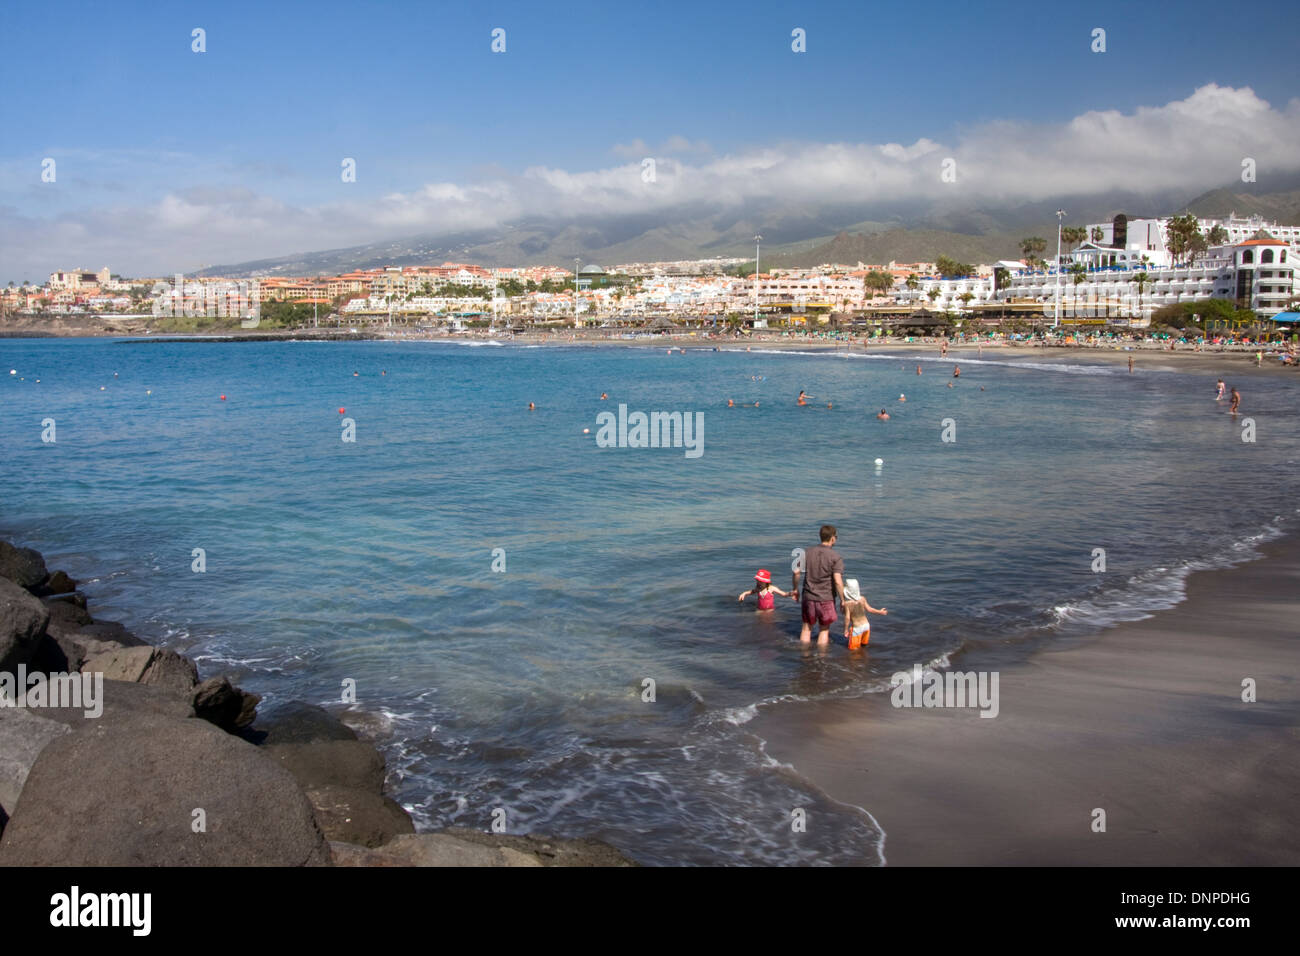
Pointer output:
880, 462
13, 371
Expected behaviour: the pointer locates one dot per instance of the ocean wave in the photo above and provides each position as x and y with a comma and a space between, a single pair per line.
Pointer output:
1155, 589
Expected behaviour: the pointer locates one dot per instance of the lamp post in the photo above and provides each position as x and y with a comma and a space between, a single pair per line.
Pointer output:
1060, 217
577, 264
758, 248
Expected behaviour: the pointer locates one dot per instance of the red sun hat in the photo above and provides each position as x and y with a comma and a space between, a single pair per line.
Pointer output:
763, 577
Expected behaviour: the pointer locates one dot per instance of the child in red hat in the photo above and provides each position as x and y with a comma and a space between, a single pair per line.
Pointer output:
765, 591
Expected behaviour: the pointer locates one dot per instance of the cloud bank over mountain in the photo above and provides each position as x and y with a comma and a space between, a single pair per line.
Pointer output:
231, 215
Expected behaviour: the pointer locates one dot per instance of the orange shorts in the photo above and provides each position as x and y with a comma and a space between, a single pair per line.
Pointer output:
859, 638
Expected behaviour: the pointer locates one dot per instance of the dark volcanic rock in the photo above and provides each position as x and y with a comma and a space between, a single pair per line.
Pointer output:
124, 793
343, 763
125, 698
156, 666
22, 621
67, 614
23, 566
358, 816
58, 583
230, 708
23, 735
300, 723
172, 672
111, 631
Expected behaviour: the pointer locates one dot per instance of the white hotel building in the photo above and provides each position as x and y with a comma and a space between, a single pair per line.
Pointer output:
1257, 273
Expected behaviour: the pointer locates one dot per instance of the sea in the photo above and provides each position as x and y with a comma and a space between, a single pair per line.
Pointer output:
540, 628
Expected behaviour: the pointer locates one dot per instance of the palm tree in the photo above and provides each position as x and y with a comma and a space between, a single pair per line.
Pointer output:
1079, 274
932, 295
1097, 233
1141, 279
1032, 248
966, 297
912, 282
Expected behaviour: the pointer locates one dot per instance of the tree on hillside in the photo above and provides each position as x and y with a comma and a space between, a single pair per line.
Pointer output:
1033, 248
1141, 279
1073, 235
951, 268
876, 281
1181, 231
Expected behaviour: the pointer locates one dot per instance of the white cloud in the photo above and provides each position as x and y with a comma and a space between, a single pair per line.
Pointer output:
1191, 144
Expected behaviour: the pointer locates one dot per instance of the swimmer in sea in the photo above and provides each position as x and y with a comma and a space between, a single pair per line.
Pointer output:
883, 416
731, 403
902, 398
603, 396
956, 371
918, 370
1219, 397
1236, 400
532, 407
803, 399
765, 590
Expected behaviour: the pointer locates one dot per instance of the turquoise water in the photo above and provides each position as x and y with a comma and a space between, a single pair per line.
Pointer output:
522, 689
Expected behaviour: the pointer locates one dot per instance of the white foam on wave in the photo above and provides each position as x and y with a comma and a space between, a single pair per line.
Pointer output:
1158, 588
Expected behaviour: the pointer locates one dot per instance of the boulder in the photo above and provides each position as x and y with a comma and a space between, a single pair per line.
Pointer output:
125, 792
358, 816
471, 848
124, 698
49, 657
551, 851
23, 735
230, 708
23, 566
22, 621
343, 763
171, 672
123, 663
299, 723
58, 583
110, 632
65, 613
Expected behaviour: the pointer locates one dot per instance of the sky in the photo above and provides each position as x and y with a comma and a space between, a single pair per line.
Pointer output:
166, 158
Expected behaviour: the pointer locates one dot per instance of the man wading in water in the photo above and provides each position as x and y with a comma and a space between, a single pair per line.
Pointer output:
823, 585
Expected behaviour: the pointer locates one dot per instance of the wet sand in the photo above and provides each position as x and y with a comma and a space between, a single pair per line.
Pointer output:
1145, 721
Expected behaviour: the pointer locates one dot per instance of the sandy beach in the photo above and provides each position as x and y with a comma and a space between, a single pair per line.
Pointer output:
1146, 721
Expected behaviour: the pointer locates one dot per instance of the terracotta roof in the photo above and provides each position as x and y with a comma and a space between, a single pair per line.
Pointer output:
1263, 242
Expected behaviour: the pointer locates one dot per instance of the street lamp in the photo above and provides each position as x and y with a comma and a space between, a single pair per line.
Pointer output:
577, 264
758, 248
1060, 217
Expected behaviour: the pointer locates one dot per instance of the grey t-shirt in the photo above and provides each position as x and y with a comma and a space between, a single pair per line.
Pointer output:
819, 582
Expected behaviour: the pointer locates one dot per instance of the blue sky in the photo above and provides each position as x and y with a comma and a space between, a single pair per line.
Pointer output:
413, 92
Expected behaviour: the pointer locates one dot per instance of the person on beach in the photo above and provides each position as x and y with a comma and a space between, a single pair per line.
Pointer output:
1222, 387
765, 590
1259, 359
1130, 365
823, 583
1236, 400
857, 626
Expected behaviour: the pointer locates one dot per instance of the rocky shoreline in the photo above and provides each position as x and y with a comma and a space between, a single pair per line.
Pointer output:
113, 752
